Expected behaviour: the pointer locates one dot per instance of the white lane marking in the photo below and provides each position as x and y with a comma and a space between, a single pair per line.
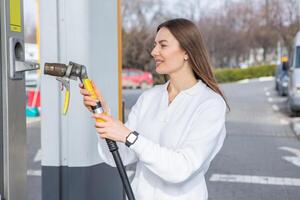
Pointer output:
292, 159
266, 180
284, 121
270, 99
31, 172
275, 107
38, 156
279, 100
267, 93
266, 78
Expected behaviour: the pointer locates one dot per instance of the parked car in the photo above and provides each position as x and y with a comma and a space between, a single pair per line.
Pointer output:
294, 77
282, 78
136, 78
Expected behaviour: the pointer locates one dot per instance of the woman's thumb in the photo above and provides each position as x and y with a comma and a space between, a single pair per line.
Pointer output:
100, 97
96, 90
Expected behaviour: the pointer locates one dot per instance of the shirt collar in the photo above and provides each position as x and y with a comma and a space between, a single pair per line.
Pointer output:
194, 90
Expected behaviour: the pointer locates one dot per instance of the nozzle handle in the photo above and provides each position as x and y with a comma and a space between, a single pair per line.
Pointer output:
88, 85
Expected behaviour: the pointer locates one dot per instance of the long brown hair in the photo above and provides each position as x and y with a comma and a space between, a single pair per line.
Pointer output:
191, 40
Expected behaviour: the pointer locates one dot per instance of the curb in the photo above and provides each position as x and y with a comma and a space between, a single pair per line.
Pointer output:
295, 124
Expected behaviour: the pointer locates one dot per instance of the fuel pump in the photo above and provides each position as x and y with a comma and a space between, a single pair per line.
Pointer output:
13, 141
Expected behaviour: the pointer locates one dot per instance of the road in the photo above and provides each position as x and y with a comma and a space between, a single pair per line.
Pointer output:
260, 158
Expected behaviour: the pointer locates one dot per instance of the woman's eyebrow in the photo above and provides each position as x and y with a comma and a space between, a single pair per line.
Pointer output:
160, 41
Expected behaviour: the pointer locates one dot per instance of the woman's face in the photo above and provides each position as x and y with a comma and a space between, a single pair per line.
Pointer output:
168, 55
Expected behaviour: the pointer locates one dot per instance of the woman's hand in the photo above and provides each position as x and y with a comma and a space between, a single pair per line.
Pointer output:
89, 101
111, 128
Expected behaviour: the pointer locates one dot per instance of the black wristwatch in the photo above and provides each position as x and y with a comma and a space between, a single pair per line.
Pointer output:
131, 138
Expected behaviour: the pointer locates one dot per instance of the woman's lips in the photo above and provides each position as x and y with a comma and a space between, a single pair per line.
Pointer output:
158, 63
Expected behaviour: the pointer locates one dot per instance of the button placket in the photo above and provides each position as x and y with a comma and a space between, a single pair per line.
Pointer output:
170, 109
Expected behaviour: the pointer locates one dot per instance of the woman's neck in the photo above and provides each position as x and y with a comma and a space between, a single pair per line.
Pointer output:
180, 83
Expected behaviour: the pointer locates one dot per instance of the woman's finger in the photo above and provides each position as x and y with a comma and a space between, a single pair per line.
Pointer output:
100, 134
106, 136
98, 93
89, 98
100, 124
102, 116
85, 92
89, 103
100, 97
105, 107
101, 131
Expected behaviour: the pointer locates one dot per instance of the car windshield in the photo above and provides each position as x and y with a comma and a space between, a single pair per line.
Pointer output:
297, 57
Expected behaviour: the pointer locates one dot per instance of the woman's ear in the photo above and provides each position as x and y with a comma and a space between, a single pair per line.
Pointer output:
186, 56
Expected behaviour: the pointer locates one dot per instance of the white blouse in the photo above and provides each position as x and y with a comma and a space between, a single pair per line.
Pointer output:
176, 142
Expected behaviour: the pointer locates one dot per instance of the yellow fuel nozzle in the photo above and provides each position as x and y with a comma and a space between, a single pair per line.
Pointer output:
88, 86
98, 108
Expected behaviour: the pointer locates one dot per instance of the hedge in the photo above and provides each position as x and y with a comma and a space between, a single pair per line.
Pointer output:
235, 74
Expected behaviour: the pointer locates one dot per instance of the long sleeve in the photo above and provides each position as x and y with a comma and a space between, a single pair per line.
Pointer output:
128, 156
204, 140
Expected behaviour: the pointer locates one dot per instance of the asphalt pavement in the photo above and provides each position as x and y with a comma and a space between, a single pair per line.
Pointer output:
260, 159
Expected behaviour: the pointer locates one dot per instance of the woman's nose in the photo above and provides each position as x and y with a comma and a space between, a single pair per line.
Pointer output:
154, 51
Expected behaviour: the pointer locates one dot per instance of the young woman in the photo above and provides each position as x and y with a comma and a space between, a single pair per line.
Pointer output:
174, 130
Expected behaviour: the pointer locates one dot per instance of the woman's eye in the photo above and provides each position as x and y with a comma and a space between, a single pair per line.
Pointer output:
163, 45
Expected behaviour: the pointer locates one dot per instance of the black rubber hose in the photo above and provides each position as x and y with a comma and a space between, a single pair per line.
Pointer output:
114, 150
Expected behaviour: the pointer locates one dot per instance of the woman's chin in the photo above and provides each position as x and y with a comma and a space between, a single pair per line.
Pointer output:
159, 70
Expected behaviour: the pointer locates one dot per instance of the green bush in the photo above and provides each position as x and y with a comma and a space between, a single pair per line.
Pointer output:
236, 74
232, 74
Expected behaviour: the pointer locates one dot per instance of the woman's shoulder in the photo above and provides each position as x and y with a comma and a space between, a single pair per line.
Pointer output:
209, 97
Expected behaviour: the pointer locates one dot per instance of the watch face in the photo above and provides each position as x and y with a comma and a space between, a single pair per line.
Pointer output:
131, 138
